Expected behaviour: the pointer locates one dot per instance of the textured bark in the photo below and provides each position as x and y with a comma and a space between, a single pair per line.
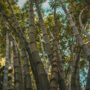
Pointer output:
17, 68
7, 62
40, 84
58, 54
75, 79
10, 70
54, 73
26, 70
44, 30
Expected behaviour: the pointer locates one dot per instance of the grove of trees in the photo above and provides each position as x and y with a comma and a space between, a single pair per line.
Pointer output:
45, 48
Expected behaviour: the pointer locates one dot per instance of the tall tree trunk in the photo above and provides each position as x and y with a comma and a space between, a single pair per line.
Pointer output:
44, 30
42, 84
58, 54
75, 79
7, 62
10, 70
17, 68
26, 70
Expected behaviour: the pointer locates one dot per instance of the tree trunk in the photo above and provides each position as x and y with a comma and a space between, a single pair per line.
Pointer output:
17, 68
75, 79
42, 84
26, 70
57, 54
7, 62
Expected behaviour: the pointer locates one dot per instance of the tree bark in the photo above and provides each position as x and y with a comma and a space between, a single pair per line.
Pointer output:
75, 79
7, 62
42, 84
58, 54
26, 70
17, 68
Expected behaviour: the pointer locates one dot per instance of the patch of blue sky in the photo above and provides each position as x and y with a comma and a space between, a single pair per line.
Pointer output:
21, 2
46, 7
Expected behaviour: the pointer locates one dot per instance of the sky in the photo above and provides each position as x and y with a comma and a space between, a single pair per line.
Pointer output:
21, 3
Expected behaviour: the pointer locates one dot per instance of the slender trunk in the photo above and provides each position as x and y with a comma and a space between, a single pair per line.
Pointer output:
70, 68
57, 54
44, 31
10, 70
78, 80
5, 79
75, 81
26, 70
42, 84
17, 68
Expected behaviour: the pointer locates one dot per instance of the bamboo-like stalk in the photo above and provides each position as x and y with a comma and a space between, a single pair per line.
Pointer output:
7, 62
75, 79
17, 68
42, 84
26, 70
